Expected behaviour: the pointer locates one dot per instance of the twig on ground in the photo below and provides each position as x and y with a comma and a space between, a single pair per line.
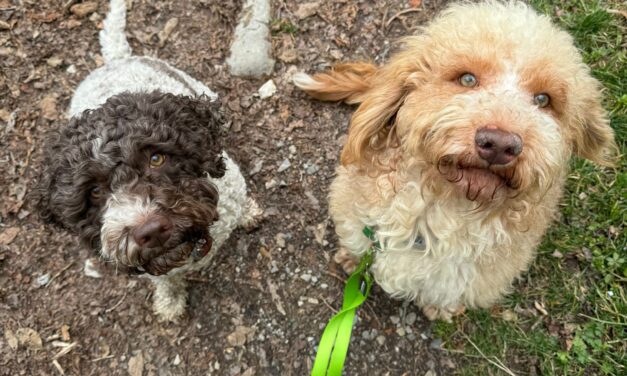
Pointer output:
59, 273
116, 304
397, 15
496, 362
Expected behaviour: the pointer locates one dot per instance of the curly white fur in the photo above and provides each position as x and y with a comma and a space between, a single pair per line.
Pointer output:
125, 73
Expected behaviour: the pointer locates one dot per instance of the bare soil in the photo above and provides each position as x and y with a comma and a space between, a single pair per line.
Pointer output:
260, 308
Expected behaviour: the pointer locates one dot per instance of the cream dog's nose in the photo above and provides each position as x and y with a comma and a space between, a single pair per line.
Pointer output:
496, 146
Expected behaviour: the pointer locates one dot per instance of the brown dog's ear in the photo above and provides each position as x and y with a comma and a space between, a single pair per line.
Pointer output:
593, 136
373, 121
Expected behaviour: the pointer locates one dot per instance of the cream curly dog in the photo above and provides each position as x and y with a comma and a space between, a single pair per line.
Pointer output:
139, 171
458, 151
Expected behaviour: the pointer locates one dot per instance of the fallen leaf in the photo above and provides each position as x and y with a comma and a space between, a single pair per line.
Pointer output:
83, 9
167, 30
8, 235
415, 3
239, 336
136, 365
65, 332
11, 338
307, 10
48, 107
29, 338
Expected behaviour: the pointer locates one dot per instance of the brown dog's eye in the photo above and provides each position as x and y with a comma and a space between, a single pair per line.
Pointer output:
468, 80
96, 192
542, 100
157, 160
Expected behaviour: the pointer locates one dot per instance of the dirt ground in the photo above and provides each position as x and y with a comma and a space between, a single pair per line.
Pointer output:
260, 308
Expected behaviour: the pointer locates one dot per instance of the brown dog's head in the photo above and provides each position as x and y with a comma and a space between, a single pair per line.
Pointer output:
131, 178
490, 99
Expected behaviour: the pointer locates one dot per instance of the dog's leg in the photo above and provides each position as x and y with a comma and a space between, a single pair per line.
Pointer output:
432, 312
346, 259
252, 215
170, 297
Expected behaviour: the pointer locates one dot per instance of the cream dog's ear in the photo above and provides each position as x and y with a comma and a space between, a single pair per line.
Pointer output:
373, 122
593, 137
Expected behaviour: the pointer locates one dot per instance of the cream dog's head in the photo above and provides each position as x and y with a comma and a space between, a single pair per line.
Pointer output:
490, 100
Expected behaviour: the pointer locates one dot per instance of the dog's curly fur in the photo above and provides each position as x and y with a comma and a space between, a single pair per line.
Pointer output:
110, 148
139, 171
411, 168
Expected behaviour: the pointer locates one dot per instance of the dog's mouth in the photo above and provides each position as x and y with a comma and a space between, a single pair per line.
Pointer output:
159, 261
477, 181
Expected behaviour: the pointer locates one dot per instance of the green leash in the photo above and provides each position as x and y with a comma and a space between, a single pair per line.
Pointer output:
336, 336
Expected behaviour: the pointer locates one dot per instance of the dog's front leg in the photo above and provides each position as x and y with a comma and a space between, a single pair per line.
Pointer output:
170, 297
252, 215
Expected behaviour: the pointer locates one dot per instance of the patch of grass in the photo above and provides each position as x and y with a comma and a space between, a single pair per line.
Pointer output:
283, 26
580, 274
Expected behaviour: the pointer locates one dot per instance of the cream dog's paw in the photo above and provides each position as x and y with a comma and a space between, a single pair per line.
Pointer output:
346, 259
432, 312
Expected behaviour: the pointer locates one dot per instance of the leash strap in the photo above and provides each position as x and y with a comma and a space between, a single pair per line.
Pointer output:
336, 337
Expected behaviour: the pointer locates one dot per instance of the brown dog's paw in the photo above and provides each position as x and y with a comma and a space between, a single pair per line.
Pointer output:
346, 259
432, 312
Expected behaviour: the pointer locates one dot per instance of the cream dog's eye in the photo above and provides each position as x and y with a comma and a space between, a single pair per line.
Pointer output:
542, 100
468, 80
157, 160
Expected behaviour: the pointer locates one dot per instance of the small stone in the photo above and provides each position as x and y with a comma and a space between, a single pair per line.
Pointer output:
267, 90
305, 277
280, 240
83, 9
71, 69
557, 254
54, 61
436, 344
313, 301
91, 270
177, 360
410, 318
395, 319
284, 165
400, 332
43, 280
271, 184
292, 149
380, 340
312, 169
257, 167
583, 196
431, 373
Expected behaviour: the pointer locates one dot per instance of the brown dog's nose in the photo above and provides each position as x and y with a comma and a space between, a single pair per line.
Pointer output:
496, 146
154, 232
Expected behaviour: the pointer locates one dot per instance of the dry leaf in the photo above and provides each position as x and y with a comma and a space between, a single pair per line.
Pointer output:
415, 3
83, 9
167, 30
11, 338
65, 332
8, 235
307, 10
48, 107
29, 338
136, 365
